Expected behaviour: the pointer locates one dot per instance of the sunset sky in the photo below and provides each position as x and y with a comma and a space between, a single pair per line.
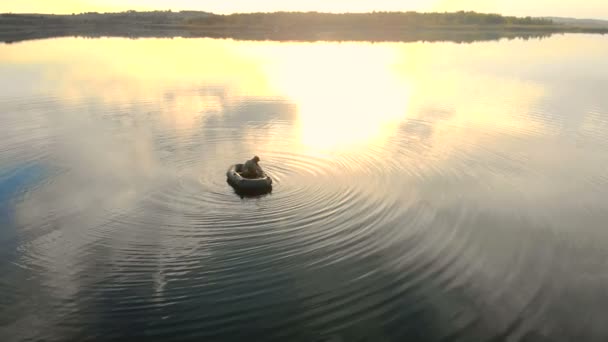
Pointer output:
569, 8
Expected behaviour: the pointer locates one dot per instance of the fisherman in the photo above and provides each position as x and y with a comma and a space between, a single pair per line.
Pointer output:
251, 168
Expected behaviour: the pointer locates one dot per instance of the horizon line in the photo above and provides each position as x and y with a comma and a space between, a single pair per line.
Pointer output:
319, 12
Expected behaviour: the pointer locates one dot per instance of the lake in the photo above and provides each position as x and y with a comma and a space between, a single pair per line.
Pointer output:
422, 191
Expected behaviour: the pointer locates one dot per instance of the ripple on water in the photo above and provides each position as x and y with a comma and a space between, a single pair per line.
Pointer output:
374, 238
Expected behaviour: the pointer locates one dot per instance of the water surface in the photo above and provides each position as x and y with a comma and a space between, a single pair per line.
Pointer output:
423, 191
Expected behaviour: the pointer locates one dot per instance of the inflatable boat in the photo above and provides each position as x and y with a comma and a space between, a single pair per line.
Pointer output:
247, 184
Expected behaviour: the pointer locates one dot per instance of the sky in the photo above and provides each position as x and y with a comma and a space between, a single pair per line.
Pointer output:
564, 8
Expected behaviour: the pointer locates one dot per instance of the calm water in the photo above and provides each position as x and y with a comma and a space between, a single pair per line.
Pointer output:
423, 192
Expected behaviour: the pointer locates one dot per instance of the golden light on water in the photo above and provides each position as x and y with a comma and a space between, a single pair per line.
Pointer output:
346, 95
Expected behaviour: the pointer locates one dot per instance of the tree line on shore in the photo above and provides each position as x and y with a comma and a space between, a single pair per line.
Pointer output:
283, 19
364, 20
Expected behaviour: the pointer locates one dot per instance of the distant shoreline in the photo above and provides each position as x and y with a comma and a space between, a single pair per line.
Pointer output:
377, 27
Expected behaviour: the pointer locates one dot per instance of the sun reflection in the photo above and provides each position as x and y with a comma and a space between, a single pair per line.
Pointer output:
347, 94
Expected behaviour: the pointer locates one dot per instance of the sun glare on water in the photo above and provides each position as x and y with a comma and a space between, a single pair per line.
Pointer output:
346, 94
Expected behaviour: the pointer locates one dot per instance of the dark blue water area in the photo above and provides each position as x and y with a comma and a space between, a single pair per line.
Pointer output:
16, 182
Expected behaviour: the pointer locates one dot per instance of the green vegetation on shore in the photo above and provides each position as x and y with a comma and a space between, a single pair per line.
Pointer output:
391, 26
364, 20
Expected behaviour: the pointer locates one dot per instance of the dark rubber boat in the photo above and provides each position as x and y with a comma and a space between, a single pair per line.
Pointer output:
247, 184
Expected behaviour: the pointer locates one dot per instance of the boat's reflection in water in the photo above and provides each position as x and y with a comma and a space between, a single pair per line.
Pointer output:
250, 193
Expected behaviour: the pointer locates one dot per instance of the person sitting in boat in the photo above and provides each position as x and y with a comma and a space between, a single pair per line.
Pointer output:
251, 168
